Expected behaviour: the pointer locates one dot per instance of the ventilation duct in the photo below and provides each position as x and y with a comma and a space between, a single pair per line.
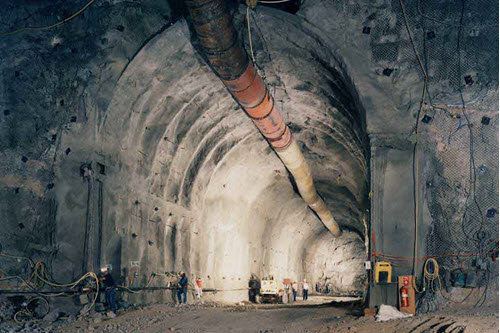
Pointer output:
229, 60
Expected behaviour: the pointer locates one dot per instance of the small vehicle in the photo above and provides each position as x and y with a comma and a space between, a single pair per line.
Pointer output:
270, 291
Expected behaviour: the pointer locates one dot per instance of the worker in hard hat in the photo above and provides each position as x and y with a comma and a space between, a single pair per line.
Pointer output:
109, 287
182, 288
295, 288
305, 290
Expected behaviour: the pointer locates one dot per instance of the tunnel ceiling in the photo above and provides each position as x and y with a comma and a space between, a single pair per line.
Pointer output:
170, 107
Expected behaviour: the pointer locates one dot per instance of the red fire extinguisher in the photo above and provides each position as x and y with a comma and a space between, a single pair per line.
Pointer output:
404, 297
404, 294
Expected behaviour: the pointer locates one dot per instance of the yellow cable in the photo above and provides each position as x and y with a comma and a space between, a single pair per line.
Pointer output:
74, 284
30, 286
428, 277
42, 276
19, 312
10, 33
138, 291
431, 277
15, 257
27, 311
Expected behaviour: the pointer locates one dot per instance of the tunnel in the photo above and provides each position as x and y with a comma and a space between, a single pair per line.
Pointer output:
130, 148
227, 207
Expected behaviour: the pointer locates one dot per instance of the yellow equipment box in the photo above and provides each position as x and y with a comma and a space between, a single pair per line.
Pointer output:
383, 272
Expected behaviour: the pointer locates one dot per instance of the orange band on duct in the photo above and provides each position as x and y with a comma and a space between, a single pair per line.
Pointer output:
263, 109
272, 126
244, 81
249, 89
283, 141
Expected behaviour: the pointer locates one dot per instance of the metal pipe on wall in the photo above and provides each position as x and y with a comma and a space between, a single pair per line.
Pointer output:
229, 60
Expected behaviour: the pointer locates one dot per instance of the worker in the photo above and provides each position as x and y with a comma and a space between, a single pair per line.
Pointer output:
252, 289
294, 290
109, 287
182, 288
305, 292
197, 288
319, 287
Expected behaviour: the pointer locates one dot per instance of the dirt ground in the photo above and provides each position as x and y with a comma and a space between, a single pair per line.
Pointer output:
268, 319
314, 315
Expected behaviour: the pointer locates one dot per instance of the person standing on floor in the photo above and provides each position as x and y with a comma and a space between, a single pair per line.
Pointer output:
182, 288
294, 290
252, 289
109, 287
305, 292
197, 288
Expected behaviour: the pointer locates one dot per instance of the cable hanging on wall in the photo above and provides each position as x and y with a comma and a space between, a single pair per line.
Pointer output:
48, 27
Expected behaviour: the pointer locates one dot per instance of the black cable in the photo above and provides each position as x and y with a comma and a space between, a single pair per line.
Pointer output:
431, 102
473, 175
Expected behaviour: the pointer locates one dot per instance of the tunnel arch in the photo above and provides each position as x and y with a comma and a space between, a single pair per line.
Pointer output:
186, 143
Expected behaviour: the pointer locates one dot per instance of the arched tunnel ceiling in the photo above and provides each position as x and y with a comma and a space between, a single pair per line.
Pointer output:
174, 124
169, 106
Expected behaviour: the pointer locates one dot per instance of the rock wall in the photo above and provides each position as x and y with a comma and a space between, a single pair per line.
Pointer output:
157, 170
122, 147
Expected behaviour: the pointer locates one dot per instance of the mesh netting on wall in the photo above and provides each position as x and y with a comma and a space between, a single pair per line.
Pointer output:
458, 44
461, 193
457, 41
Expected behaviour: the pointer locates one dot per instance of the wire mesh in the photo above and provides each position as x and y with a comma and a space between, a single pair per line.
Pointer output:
460, 192
458, 44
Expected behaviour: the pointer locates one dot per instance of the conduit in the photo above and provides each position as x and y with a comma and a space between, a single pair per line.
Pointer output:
229, 60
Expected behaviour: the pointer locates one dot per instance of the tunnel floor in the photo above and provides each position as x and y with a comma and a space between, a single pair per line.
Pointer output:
212, 317
341, 315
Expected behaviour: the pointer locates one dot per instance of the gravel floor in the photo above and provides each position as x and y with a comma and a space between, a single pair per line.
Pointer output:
211, 317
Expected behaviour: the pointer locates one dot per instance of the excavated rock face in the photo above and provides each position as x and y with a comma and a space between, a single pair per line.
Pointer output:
164, 172
191, 184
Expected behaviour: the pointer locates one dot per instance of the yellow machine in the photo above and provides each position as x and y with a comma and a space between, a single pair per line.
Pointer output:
383, 272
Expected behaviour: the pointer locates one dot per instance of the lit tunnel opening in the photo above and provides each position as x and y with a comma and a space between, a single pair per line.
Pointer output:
224, 205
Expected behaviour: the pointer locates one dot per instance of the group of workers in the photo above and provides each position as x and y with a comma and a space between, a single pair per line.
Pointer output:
182, 285
296, 288
109, 286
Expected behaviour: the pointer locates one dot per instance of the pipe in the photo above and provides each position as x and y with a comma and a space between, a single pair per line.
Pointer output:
225, 53
74, 292
37, 292
148, 288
